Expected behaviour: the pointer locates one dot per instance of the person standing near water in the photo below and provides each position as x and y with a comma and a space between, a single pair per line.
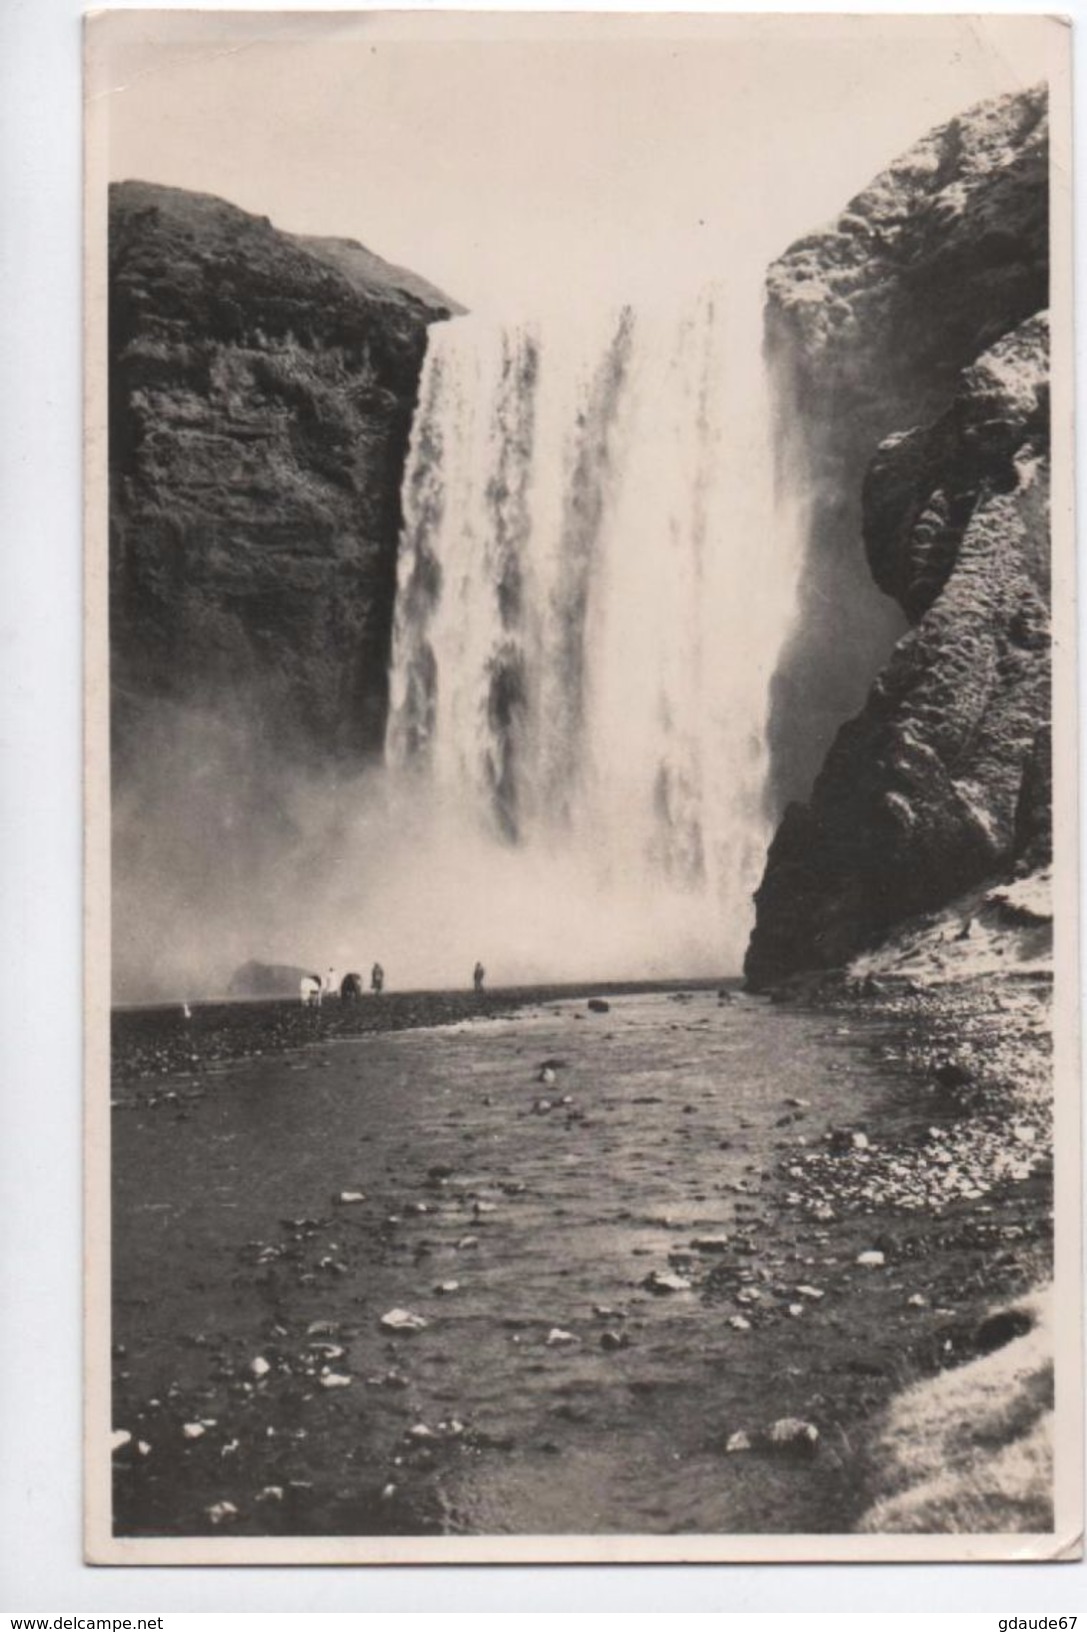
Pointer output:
478, 974
377, 979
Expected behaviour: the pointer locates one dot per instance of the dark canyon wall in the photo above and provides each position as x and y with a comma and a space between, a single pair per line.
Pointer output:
908, 345
261, 392
262, 388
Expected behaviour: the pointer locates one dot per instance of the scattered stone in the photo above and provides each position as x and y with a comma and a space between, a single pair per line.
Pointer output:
389, 1379
270, 1493
796, 1309
119, 1438
323, 1328
259, 1367
388, 1492
446, 1288
739, 1441
597, 1005
1000, 1328
194, 1430
547, 1076
439, 1171
416, 1208
222, 1512
348, 1198
467, 1242
739, 1323
662, 1281
607, 1311
610, 1340
419, 1431
870, 1260
402, 1320
143, 1447
558, 1338
334, 1379
813, 1292
796, 1102
844, 1140
917, 1300
793, 1434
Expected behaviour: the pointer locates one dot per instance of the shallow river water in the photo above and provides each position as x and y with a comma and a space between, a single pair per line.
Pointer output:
234, 1259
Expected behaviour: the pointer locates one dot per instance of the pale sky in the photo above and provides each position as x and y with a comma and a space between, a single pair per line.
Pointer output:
515, 160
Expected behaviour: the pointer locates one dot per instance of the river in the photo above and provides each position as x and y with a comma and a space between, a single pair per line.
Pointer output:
542, 1207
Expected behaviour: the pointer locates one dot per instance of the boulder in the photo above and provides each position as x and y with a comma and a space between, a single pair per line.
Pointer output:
403, 1321
794, 1435
664, 1281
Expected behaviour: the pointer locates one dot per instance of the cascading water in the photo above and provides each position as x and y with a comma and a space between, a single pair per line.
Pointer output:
592, 596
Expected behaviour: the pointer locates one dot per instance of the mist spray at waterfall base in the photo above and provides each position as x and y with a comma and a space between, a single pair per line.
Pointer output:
594, 588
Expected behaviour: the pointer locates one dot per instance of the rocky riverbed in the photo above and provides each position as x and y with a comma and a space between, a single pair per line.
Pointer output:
657, 1265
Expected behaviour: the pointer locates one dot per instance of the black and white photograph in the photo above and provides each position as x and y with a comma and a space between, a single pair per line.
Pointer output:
582, 1026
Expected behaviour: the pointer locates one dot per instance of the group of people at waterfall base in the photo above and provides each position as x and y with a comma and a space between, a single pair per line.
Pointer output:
314, 990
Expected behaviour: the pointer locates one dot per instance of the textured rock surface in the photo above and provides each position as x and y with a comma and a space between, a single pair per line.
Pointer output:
261, 393
924, 303
868, 327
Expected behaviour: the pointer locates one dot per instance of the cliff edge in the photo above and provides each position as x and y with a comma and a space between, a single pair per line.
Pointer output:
261, 392
909, 350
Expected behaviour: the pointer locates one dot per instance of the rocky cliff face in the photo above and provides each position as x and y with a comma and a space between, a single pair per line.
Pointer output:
909, 348
262, 388
261, 391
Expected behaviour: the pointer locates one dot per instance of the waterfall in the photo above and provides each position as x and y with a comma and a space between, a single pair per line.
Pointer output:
593, 591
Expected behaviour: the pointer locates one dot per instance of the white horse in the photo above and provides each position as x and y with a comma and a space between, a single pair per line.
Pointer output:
311, 991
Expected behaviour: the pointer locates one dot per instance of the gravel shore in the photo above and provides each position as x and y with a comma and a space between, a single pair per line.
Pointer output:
667, 1231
